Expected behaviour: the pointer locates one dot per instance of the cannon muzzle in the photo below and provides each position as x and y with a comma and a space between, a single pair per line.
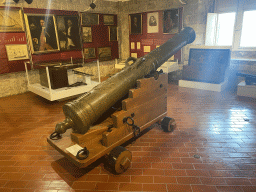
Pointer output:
85, 110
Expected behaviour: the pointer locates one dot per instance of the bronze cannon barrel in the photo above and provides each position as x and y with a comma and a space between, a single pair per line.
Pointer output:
84, 111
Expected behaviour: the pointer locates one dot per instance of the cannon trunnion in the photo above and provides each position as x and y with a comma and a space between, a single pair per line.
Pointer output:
83, 141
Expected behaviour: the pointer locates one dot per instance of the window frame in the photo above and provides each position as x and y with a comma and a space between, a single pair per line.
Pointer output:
237, 33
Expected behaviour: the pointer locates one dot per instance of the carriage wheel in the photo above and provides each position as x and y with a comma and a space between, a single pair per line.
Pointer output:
120, 159
168, 124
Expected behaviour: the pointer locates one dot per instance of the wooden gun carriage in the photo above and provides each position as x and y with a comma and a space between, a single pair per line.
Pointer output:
142, 93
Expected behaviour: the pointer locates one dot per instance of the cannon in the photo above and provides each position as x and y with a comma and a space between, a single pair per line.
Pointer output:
93, 129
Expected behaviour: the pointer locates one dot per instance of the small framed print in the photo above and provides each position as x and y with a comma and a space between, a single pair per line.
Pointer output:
112, 33
108, 19
89, 53
152, 22
135, 23
17, 52
104, 53
171, 21
11, 20
89, 19
87, 34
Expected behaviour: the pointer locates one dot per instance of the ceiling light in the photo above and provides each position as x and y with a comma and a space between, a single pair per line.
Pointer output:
92, 5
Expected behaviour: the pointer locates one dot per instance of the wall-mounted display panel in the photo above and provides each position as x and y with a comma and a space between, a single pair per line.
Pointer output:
42, 33
11, 20
68, 32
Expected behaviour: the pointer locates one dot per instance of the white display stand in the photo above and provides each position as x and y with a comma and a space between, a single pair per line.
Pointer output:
205, 86
246, 90
169, 66
119, 65
64, 92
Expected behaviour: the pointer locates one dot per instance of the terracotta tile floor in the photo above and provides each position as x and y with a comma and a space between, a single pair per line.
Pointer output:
219, 127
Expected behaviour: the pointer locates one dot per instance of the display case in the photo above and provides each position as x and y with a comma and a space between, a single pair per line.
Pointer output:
57, 81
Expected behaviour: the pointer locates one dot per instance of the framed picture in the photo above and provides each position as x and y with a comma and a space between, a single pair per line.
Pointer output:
11, 20
135, 23
104, 53
42, 33
87, 34
89, 19
89, 53
108, 19
17, 52
171, 21
112, 33
152, 22
68, 32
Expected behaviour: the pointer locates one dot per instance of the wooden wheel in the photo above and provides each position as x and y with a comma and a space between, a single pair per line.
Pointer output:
168, 124
120, 159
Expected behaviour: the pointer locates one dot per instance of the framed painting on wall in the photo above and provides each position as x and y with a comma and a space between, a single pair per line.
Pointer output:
89, 19
42, 33
112, 33
152, 22
68, 32
171, 21
135, 23
89, 53
87, 34
104, 53
108, 19
11, 20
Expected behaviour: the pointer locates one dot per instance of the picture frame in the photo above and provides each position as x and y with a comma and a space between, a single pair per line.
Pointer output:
108, 19
171, 24
104, 53
17, 52
11, 20
112, 33
87, 34
135, 21
36, 24
68, 32
89, 19
89, 53
153, 22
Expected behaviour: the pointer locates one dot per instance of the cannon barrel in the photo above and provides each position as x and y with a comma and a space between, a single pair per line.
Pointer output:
84, 111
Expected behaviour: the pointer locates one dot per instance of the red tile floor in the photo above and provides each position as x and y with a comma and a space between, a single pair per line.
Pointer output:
219, 127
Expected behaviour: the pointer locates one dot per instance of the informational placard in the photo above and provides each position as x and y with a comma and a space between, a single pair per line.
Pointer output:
17, 52
146, 49
134, 55
132, 45
138, 45
74, 149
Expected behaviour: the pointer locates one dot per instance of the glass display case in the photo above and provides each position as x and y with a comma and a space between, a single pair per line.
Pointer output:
57, 81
